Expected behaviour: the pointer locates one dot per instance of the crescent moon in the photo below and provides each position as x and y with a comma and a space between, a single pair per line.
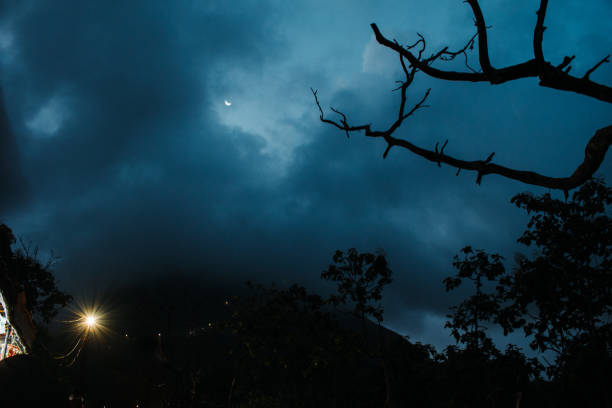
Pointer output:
227, 103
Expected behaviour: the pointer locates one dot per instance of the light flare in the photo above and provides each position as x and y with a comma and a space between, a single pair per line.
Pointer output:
90, 321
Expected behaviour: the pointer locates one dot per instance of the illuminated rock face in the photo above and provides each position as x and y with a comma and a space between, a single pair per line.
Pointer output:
10, 343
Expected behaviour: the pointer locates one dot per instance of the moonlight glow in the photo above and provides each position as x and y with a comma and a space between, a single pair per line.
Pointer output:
227, 103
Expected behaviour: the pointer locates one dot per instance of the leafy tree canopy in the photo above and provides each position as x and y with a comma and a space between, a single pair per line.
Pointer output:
21, 270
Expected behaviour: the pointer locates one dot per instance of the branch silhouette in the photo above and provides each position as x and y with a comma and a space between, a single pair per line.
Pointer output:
551, 76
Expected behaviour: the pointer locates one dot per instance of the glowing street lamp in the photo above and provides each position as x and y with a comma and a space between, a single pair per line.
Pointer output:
90, 321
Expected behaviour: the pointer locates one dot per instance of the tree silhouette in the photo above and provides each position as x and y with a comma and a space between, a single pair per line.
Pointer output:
560, 297
412, 59
563, 295
469, 318
499, 376
289, 351
565, 291
361, 278
23, 271
28, 288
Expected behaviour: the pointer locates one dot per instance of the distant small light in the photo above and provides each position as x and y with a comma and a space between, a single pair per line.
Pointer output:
159, 334
227, 302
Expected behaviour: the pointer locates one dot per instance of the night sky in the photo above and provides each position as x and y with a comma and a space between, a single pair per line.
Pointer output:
123, 158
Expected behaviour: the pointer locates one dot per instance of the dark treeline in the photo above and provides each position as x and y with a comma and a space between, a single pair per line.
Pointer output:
286, 347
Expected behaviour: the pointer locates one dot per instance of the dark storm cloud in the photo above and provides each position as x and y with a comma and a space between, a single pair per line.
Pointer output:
12, 186
138, 169
127, 71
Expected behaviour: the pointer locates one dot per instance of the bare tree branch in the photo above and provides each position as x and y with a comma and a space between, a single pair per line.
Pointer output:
605, 59
538, 33
556, 77
386, 134
446, 55
566, 61
422, 65
594, 154
483, 48
550, 76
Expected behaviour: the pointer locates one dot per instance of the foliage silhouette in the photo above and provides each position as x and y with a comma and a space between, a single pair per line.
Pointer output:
361, 278
485, 376
468, 318
290, 351
565, 291
22, 271
561, 297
